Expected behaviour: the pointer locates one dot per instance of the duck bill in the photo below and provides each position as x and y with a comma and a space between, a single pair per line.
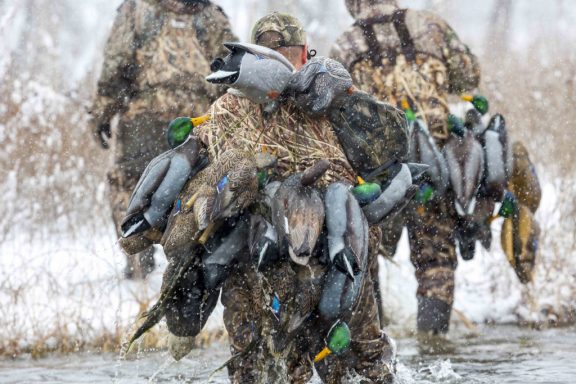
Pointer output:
222, 77
467, 97
196, 121
322, 355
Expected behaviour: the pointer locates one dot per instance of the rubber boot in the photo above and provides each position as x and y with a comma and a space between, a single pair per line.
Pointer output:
433, 315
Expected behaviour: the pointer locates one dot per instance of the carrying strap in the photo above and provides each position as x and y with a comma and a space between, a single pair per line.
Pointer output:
398, 20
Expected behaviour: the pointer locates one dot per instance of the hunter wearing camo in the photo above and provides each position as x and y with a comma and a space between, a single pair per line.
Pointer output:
155, 61
398, 54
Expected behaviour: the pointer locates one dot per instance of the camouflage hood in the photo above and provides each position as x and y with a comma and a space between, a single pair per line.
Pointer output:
181, 6
363, 9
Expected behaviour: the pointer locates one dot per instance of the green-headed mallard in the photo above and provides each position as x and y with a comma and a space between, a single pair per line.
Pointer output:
366, 192
163, 179
465, 158
479, 102
297, 213
337, 341
473, 118
181, 127
397, 190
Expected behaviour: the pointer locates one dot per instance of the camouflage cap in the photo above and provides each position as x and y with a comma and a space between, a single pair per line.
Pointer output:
289, 29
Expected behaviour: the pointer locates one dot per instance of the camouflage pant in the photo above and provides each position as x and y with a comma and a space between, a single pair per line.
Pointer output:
433, 254
137, 142
370, 352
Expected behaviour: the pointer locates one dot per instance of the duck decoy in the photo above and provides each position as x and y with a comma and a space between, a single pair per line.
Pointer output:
337, 341
498, 158
519, 238
523, 180
263, 237
257, 72
397, 190
366, 192
222, 250
291, 293
424, 150
297, 213
347, 230
465, 158
473, 117
318, 83
163, 179
220, 191
479, 102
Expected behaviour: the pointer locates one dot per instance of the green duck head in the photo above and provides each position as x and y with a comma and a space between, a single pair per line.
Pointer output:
425, 193
365, 192
265, 164
406, 106
508, 208
478, 101
180, 128
509, 205
338, 341
456, 125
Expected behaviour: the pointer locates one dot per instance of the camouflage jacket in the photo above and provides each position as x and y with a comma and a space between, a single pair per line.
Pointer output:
395, 54
156, 58
298, 140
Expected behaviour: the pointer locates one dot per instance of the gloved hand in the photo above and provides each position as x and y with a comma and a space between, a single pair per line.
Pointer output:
102, 134
317, 84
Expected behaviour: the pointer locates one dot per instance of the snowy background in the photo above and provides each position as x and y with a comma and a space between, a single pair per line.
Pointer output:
60, 268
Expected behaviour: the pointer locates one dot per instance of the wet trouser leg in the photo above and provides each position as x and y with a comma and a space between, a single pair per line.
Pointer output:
433, 254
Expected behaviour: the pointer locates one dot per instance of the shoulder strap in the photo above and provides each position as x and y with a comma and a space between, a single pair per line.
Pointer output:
406, 42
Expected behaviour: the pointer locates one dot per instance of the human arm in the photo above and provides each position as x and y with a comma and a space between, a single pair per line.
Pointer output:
117, 75
462, 65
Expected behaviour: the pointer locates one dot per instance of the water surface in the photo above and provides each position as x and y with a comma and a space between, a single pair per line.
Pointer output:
499, 354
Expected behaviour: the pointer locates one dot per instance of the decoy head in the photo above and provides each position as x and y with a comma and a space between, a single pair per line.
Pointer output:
497, 124
509, 205
258, 72
366, 192
407, 106
181, 127
456, 125
508, 208
425, 193
337, 341
265, 163
479, 102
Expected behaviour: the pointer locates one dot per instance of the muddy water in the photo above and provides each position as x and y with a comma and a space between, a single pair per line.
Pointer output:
501, 354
